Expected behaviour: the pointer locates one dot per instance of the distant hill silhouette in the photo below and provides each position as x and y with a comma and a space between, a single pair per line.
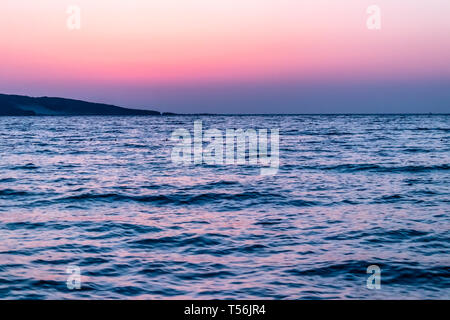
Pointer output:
15, 105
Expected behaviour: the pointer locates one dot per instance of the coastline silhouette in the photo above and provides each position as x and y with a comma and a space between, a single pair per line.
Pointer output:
17, 105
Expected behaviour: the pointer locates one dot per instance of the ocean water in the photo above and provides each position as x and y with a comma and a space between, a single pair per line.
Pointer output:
102, 194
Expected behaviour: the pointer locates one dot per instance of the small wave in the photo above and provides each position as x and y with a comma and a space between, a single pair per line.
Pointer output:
418, 168
135, 145
417, 150
177, 199
222, 183
410, 274
12, 192
221, 274
303, 203
331, 270
352, 167
436, 129
337, 133
390, 198
198, 241
120, 228
378, 168
36, 225
380, 235
28, 166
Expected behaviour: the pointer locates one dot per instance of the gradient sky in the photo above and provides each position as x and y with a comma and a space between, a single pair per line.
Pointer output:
231, 56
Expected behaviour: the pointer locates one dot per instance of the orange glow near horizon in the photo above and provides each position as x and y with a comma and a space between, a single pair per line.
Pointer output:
178, 41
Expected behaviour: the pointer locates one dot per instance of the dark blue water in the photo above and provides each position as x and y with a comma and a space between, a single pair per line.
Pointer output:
102, 193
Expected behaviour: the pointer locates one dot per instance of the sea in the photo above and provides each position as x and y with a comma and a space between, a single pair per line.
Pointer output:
94, 207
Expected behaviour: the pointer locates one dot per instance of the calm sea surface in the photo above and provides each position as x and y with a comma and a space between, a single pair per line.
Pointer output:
101, 193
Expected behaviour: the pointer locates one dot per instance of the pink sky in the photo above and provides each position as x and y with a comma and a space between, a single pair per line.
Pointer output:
178, 42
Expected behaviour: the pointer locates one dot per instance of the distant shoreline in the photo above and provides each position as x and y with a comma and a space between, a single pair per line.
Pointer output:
18, 105
163, 114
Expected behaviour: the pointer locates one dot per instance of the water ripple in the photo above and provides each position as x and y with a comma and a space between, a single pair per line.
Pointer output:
101, 193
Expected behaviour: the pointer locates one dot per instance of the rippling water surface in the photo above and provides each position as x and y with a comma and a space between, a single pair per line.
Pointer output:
102, 193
